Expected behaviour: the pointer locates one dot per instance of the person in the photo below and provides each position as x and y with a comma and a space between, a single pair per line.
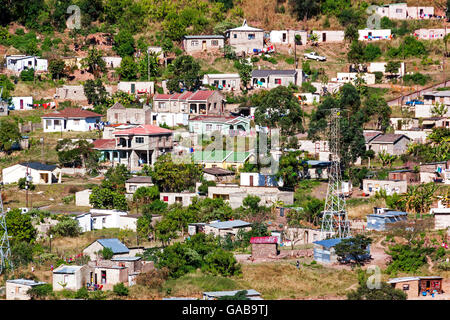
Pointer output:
298, 264
32, 268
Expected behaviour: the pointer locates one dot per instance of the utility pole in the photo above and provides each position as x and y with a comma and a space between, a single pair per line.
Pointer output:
5, 249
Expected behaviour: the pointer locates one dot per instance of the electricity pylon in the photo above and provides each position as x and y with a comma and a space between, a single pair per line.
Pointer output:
5, 249
335, 222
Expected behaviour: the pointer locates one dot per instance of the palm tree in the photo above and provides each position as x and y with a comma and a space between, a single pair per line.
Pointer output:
386, 158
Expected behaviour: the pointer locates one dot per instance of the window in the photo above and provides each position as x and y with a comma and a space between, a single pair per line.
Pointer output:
277, 81
218, 127
194, 43
208, 127
48, 124
166, 198
406, 287
56, 122
139, 139
398, 10
133, 187
162, 105
214, 43
76, 122
103, 220
251, 36
235, 35
178, 199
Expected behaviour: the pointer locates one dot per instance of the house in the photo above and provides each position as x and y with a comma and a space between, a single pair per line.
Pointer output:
273, 78
97, 219
82, 198
431, 34
184, 198
308, 98
371, 186
324, 250
264, 247
287, 37
223, 81
228, 126
414, 287
194, 228
350, 77
107, 275
408, 175
374, 34
70, 277
432, 97
224, 228
246, 39
441, 215
18, 63
134, 183
218, 174
401, 11
434, 171
137, 87
391, 143
118, 114
137, 146
382, 217
70, 119
40, 173
112, 62
202, 43
17, 289
21, 103
256, 179
221, 158
329, 35
235, 194
117, 247
214, 295
201, 102
325, 88
426, 111
74, 93
381, 67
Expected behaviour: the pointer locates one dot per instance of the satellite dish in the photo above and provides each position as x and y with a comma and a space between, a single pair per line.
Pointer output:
29, 178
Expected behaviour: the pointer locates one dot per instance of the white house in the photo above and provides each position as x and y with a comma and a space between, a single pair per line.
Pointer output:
350, 77
381, 67
329, 35
70, 119
256, 179
374, 34
431, 34
18, 63
39, 172
17, 289
223, 81
137, 87
98, 219
172, 119
112, 62
22, 103
70, 277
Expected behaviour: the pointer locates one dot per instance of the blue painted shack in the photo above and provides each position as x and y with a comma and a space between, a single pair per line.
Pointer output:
380, 221
324, 250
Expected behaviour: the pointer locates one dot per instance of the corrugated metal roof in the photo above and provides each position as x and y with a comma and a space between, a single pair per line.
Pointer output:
266, 73
329, 243
140, 179
229, 224
212, 36
67, 269
39, 166
126, 259
114, 244
403, 279
26, 282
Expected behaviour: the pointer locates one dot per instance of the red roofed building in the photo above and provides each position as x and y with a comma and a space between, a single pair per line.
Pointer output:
135, 146
70, 119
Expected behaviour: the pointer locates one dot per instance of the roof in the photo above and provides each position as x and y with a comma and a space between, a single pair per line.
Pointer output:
388, 138
39, 166
220, 156
140, 179
318, 163
206, 36
222, 75
369, 136
72, 113
218, 171
117, 105
329, 243
388, 214
444, 93
250, 292
404, 279
114, 244
67, 269
230, 224
245, 27
144, 129
268, 240
266, 73
212, 118
104, 144
26, 282
201, 95
126, 259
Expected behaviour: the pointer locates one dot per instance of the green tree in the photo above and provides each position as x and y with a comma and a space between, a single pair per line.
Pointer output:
174, 177
245, 72
356, 52
351, 33
384, 292
124, 43
353, 250
115, 178
120, 290
105, 198
145, 195
20, 227
66, 228
107, 253
185, 70
221, 262
40, 292
292, 168
27, 75
128, 69
94, 62
393, 67
305, 9
57, 68
240, 295
386, 158
95, 92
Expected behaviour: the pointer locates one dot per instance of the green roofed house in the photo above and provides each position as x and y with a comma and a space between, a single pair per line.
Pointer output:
222, 158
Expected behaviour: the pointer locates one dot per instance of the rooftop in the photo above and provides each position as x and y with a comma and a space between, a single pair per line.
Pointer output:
230, 224
72, 113
388, 138
63, 269
140, 179
206, 36
218, 171
144, 129
266, 73
329, 243
126, 259
39, 166
26, 282
114, 244
104, 144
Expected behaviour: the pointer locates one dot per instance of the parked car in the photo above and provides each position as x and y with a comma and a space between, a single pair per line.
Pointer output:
314, 56
413, 102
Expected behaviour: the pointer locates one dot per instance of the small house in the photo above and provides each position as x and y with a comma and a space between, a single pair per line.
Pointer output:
324, 251
273, 78
70, 119
395, 144
70, 277
40, 173
224, 228
118, 114
264, 247
380, 219
112, 62
22, 103
434, 171
18, 63
223, 81
82, 198
381, 67
256, 179
218, 174
134, 183
287, 37
137, 87
202, 43
228, 126
441, 216
408, 175
371, 186
415, 287
184, 198
329, 35
246, 39
351, 77
194, 228
374, 34
214, 295
117, 247
17, 289
431, 34
431, 97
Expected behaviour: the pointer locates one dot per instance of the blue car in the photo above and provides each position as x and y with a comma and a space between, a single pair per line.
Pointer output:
413, 102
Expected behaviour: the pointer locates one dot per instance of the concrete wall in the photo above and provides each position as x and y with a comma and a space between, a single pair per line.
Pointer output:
398, 148
381, 67
374, 34
177, 197
431, 34
129, 115
371, 186
419, 12
329, 35
14, 173
82, 198
425, 111
240, 41
229, 82
74, 281
137, 87
198, 45
264, 250
16, 291
22, 103
413, 288
112, 62
172, 119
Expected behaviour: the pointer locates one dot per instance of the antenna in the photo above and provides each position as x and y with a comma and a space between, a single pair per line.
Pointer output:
5, 249
335, 222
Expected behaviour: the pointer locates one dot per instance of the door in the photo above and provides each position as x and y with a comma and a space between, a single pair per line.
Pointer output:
95, 279
284, 37
204, 45
21, 104
251, 181
324, 37
133, 88
103, 276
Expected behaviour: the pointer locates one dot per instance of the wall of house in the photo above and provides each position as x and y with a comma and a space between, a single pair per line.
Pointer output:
82, 198
127, 223
424, 111
14, 173
16, 291
417, 136
430, 34
171, 198
113, 276
329, 35
371, 186
171, 119
140, 86
27, 103
75, 93
381, 67
129, 115
412, 292
241, 42
374, 34
92, 250
74, 281
264, 250
227, 83
112, 62
324, 255
441, 221
259, 180
414, 12
198, 45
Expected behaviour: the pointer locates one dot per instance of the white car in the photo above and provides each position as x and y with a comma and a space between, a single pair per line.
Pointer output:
314, 56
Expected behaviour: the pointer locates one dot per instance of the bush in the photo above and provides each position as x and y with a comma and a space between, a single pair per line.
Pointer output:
154, 279
22, 183
107, 253
416, 78
120, 290
67, 228
27, 75
68, 199
40, 292
378, 76
221, 262
82, 293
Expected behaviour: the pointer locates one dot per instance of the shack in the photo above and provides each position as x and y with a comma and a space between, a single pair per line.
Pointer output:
379, 221
324, 251
418, 286
264, 247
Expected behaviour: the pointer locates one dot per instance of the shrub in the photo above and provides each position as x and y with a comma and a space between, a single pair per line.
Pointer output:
154, 279
68, 199
22, 183
120, 290
82, 293
221, 262
40, 292
107, 253
27, 75
67, 228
